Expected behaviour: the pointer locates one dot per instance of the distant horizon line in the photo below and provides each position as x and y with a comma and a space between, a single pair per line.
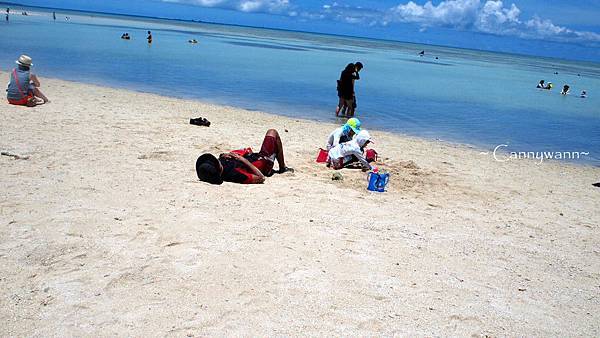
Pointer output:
300, 31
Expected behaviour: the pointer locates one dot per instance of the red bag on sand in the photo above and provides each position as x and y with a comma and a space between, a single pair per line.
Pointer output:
243, 152
371, 155
323, 156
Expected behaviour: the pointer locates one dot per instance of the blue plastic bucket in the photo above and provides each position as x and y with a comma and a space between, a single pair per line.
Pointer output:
377, 181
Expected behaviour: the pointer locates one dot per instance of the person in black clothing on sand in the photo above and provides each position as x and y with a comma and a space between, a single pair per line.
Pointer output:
347, 99
249, 168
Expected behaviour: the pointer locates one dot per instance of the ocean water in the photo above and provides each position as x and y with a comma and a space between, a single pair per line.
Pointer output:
478, 98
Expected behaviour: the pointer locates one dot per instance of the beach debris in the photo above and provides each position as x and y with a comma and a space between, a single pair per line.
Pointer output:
15, 156
200, 121
337, 176
597, 185
522, 289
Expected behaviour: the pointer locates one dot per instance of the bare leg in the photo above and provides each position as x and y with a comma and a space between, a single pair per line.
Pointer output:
340, 107
39, 94
278, 149
350, 112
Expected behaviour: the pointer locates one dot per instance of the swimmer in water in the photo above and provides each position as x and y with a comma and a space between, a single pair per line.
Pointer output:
541, 84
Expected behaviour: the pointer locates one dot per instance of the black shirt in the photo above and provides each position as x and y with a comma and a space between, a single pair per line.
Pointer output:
346, 83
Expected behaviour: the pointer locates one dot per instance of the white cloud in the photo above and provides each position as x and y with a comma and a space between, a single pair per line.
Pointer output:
266, 6
492, 17
489, 16
273, 6
455, 13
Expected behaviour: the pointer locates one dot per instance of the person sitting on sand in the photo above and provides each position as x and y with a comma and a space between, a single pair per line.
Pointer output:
250, 168
343, 133
541, 85
345, 153
566, 89
23, 86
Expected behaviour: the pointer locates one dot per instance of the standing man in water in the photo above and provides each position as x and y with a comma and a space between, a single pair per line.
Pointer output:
54, 16
149, 38
347, 97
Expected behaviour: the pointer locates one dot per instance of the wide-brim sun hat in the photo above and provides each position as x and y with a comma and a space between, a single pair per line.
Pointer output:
24, 60
354, 124
362, 137
208, 169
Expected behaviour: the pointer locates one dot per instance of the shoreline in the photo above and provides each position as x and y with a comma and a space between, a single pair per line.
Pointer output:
458, 144
106, 230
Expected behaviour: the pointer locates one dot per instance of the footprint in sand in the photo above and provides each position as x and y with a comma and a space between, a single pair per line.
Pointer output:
158, 156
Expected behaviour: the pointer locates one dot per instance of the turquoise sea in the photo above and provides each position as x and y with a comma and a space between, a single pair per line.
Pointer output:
458, 95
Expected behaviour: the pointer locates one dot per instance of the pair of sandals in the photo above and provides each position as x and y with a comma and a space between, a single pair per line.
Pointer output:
200, 121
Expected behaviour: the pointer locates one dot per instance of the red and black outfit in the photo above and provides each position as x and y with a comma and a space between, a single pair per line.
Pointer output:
237, 172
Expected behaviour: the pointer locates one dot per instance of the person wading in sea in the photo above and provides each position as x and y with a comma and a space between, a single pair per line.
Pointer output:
345, 86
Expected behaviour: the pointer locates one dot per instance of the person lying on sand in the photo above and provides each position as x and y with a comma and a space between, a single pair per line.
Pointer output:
345, 153
23, 86
249, 168
343, 133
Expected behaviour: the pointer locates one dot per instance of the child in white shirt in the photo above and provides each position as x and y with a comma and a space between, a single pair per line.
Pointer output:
342, 153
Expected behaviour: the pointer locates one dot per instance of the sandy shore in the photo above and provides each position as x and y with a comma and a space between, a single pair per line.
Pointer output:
105, 230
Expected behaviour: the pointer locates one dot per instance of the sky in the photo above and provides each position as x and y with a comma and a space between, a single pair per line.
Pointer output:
564, 29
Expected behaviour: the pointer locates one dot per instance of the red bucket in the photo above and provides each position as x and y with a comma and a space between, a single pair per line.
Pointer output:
323, 156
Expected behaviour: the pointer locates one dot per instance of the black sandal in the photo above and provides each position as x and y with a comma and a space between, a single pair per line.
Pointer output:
286, 170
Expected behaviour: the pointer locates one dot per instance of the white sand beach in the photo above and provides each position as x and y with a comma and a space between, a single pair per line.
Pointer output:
105, 230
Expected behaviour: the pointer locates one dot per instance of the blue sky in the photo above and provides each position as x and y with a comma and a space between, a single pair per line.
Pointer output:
540, 27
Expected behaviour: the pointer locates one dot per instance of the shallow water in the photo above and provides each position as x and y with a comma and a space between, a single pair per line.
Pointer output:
479, 98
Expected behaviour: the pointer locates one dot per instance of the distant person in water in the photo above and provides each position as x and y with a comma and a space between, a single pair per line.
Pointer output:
125, 36
422, 53
541, 85
347, 98
23, 86
566, 89
54, 16
149, 38
243, 166
583, 94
